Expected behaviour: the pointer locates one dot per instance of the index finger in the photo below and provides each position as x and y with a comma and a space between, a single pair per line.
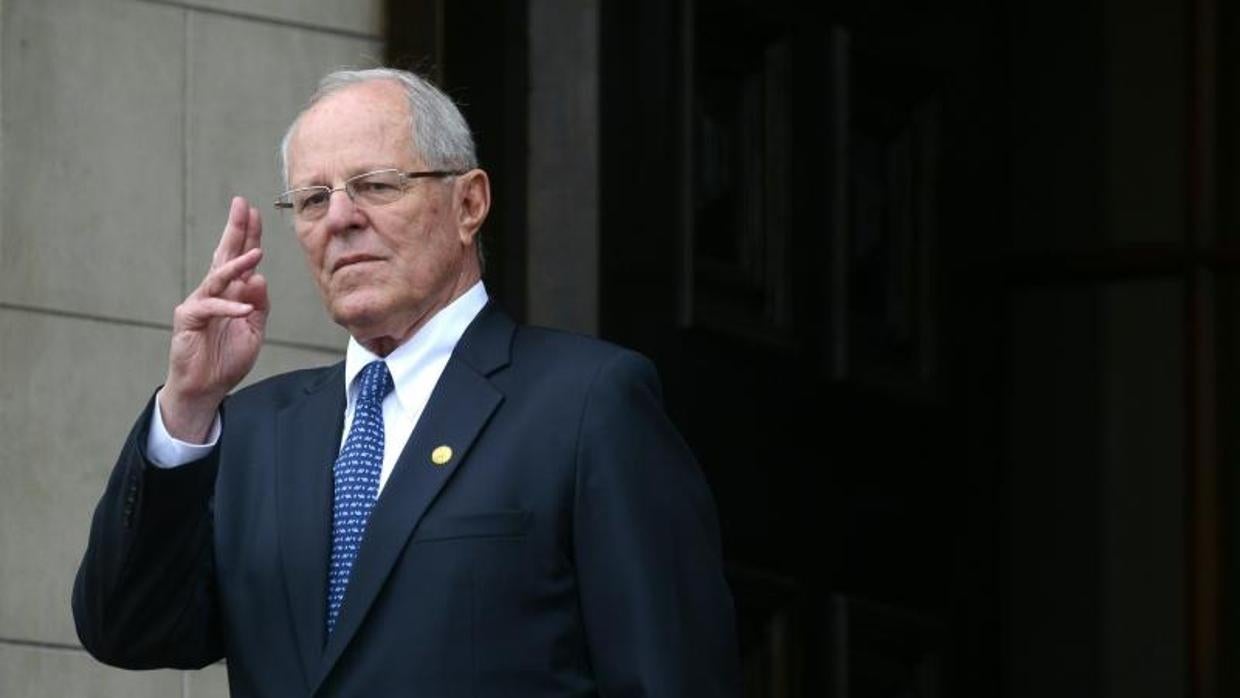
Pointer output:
232, 240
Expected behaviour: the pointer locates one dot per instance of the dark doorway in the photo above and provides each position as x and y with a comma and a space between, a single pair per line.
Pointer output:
941, 296
811, 181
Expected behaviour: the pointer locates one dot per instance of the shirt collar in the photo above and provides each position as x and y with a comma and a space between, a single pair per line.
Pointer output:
432, 342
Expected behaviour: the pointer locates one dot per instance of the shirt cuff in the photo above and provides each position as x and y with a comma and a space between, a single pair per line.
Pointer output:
166, 451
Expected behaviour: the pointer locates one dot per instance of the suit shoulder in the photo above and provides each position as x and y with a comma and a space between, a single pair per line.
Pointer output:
574, 366
572, 349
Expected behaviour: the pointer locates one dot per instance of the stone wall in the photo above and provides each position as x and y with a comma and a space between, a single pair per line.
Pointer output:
125, 128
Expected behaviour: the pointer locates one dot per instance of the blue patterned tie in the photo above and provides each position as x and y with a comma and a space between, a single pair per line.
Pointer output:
356, 478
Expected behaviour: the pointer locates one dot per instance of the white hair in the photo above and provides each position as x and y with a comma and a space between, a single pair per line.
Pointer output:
440, 135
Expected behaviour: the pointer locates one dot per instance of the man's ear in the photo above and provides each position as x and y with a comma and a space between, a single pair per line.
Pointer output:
473, 202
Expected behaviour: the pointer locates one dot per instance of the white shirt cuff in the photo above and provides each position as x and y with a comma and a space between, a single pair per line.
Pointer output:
166, 451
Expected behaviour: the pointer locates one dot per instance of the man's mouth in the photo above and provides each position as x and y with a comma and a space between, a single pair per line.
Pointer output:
349, 260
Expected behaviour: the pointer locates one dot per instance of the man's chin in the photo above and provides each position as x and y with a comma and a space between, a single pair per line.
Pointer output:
360, 318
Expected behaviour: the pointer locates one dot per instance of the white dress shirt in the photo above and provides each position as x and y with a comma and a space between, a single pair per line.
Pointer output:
415, 366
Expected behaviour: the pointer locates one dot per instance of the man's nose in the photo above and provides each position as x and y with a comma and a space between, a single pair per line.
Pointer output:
342, 213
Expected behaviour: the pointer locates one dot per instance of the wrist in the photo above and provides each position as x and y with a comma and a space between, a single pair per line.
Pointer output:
187, 418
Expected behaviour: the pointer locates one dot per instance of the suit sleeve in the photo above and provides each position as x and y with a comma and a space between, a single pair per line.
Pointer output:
144, 594
658, 614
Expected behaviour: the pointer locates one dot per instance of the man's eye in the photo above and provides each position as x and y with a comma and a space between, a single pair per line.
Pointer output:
312, 199
374, 187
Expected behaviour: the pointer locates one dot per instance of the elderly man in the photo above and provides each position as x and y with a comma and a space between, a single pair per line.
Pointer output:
463, 506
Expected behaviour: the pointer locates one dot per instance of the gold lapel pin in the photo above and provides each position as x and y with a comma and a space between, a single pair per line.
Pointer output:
441, 455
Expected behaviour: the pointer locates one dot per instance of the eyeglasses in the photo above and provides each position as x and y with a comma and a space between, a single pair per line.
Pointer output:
376, 188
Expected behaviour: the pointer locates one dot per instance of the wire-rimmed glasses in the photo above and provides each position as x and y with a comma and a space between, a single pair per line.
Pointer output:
367, 189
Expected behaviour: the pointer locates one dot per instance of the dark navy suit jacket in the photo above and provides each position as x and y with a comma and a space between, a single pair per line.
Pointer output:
569, 547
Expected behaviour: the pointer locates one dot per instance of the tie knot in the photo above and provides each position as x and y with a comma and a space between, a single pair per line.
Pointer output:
376, 383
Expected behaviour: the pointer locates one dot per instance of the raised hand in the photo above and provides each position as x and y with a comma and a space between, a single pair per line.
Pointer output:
217, 330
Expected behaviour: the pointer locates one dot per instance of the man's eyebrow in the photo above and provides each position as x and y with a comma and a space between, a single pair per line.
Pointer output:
355, 171
303, 183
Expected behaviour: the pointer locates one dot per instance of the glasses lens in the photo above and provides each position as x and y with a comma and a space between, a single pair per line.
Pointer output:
310, 202
377, 188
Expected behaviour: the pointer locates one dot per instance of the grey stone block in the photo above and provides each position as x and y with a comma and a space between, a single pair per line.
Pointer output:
92, 160
211, 682
364, 17
247, 83
32, 672
69, 390
276, 359
563, 94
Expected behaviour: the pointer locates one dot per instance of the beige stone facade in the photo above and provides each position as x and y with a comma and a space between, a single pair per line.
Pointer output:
126, 127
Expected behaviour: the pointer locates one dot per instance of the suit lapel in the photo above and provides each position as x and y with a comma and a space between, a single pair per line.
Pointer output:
459, 407
307, 441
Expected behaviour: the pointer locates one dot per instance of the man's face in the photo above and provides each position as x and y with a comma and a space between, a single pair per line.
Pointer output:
382, 270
